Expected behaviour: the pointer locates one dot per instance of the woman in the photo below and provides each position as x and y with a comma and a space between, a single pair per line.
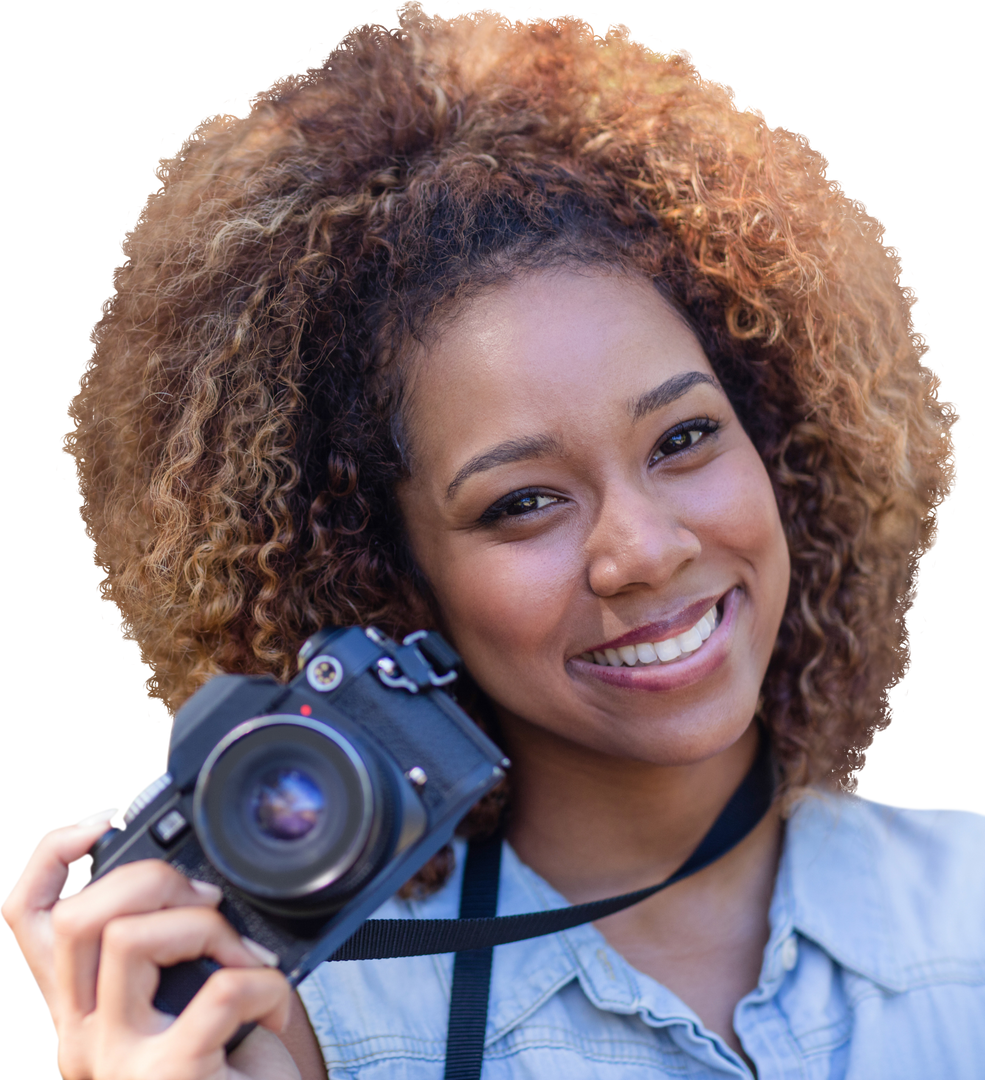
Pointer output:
533, 338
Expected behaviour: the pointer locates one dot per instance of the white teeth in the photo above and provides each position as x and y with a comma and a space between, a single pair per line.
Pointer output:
646, 652
664, 651
668, 650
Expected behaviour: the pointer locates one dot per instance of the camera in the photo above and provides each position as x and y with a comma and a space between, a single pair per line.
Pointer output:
310, 803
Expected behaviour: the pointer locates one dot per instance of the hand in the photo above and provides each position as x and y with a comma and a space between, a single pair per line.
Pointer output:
96, 957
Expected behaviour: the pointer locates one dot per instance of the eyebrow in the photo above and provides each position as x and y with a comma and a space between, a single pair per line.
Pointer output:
533, 446
675, 387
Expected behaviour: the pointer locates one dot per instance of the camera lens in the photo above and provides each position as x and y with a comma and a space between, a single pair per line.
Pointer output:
285, 806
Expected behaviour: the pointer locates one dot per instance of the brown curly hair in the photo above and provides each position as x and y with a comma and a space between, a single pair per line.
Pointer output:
238, 431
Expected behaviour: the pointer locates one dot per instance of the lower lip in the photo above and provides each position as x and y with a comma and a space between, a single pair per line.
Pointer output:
677, 674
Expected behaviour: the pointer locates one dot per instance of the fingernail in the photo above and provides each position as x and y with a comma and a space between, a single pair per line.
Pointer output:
263, 954
206, 890
109, 813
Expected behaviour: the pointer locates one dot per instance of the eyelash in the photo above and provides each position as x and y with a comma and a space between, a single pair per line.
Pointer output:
703, 423
500, 509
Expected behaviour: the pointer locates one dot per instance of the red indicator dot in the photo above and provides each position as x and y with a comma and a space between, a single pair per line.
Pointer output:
305, 710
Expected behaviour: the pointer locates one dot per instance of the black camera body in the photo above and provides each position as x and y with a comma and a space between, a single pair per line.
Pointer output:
310, 803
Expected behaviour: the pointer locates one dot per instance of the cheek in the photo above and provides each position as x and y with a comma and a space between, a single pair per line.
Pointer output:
503, 603
748, 513
736, 510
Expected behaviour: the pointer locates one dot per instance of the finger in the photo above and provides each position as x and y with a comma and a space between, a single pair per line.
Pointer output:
26, 908
194, 1044
230, 998
46, 872
264, 1056
135, 947
78, 922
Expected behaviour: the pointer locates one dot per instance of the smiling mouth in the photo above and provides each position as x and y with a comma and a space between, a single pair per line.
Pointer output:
659, 652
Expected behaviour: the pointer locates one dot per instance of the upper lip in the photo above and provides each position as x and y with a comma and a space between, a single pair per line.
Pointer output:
661, 629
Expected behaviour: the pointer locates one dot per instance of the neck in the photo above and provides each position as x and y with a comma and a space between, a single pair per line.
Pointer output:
594, 825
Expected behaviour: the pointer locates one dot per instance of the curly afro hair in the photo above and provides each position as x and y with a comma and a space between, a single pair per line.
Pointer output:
237, 433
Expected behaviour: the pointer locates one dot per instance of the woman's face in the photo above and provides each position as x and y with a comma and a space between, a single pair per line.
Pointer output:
581, 496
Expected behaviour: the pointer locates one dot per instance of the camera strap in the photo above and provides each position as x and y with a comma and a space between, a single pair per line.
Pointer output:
477, 930
379, 939
472, 973
480, 887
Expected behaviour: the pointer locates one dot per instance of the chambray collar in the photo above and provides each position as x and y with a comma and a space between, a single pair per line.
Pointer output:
527, 973
853, 878
885, 892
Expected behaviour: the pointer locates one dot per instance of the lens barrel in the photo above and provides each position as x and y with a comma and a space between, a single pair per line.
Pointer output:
286, 807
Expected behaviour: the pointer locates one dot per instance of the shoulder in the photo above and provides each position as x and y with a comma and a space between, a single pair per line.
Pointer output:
898, 895
920, 850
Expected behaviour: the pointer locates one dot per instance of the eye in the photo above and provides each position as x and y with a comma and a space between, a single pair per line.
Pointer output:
517, 504
683, 437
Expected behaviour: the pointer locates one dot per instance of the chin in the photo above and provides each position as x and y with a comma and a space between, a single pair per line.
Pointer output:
683, 740
687, 737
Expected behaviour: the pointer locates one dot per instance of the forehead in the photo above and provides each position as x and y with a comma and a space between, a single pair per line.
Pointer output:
543, 317
550, 352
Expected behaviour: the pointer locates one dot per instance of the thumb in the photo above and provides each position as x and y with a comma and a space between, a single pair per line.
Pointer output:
105, 814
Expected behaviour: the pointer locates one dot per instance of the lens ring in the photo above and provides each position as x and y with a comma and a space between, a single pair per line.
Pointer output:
211, 811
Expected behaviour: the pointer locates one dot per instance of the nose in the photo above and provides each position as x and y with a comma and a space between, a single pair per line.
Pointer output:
638, 541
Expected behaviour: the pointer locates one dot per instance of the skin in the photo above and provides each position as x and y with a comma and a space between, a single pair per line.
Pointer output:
96, 955
646, 503
618, 773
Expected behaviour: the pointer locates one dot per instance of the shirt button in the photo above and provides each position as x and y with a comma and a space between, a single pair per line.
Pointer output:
788, 954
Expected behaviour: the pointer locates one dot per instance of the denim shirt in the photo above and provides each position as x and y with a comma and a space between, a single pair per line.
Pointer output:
875, 967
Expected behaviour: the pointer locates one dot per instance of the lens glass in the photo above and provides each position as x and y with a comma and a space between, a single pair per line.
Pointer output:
287, 804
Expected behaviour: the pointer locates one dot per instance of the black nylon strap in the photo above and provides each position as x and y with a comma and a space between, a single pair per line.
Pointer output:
379, 939
480, 887
473, 969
